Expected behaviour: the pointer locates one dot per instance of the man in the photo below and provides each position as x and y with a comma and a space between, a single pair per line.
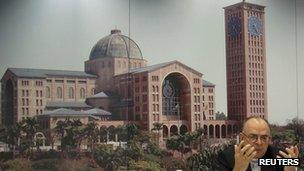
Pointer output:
255, 143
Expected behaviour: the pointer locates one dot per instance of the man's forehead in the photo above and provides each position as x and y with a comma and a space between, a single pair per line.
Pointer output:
256, 126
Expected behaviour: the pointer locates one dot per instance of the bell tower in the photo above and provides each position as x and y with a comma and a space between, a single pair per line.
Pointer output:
245, 61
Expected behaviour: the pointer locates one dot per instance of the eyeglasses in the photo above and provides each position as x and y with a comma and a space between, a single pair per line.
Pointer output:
255, 137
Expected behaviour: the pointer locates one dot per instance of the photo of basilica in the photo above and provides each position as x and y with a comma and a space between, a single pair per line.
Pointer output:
118, 86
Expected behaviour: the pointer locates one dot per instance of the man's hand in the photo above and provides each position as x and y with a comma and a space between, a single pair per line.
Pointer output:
292, 152
243, 155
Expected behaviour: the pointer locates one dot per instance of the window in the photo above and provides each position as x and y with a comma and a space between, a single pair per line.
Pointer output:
136, 80
137, 108
144, 78
59, 92
145, 108
144, 89
48, 92
144, 98
71, 93
154, 78
82, 93
25, 83
137, 99
82, 82
70, 81
38, 83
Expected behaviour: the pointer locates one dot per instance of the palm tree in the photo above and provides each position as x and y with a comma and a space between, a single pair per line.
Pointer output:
157, 127
121, 133
91, 131
132, 130
103, 134
75, 133
30, 127
13, 135
111, 133
198, 137
60, 129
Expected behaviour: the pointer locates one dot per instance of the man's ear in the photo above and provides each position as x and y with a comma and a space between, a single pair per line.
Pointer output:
270, 142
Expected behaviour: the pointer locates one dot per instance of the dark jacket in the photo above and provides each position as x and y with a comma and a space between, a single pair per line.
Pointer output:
226, 159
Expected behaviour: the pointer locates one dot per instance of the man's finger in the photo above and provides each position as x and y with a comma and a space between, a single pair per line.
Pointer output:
279, 157
245, 148
248, 152
296, 151
237, 148
283, 154
252, 155
290, 151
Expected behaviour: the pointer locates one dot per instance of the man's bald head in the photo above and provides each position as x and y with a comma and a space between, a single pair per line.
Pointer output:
255, 120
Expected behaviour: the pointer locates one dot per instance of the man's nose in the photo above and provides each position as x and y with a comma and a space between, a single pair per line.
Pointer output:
258, 141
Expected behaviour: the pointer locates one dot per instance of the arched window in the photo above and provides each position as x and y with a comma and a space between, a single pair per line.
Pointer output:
59, 92
71, 93
82, 93
48, 92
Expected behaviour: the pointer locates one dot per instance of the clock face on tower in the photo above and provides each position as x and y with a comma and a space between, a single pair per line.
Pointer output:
254, 26
234, 26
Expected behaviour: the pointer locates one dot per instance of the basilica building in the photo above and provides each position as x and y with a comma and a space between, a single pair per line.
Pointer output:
117, 87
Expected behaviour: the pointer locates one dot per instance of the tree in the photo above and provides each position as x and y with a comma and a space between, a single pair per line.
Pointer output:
30, 127
103, 134
297, 125
121, 133
157, 127
220, 116
198, 137
92, 134
132, 130
107, 158
60, 130
13, 135
174, 143
204, 160
71, 133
